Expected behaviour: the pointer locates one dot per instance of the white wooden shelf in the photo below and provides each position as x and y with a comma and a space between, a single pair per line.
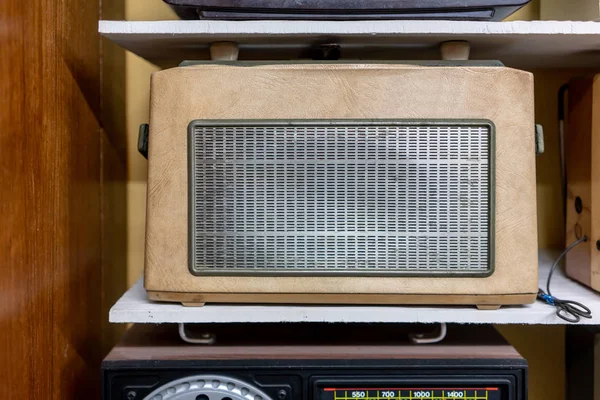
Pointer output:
134, 307
524, 44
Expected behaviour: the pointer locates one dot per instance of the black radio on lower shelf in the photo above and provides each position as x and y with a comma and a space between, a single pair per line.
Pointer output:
313, 362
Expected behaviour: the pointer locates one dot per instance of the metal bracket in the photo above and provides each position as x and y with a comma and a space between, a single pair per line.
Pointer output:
433, 337
206, 338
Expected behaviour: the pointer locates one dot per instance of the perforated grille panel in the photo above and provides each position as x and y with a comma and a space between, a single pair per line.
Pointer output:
341, 198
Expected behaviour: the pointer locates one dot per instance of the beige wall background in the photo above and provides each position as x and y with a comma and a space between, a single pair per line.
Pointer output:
137, 92
542, 346
584, 10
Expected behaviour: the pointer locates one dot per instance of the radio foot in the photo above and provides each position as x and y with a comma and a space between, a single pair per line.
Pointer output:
455, 50
488, 306
193, 304
224, 51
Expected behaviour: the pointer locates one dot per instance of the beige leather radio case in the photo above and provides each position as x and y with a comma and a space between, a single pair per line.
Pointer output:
341, 183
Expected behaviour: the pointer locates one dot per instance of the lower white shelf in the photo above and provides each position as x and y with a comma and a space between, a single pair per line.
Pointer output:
134, 307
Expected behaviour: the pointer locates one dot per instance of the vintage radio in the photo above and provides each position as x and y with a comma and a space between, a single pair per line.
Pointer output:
342, 183
582, 159
482, 10
307, 362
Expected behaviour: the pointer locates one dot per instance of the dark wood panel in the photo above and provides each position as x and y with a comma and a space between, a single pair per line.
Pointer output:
50, 169
114, 176
113, 84
308, 341
114, 239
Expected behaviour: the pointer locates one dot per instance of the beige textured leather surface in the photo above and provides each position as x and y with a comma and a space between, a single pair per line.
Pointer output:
342, 91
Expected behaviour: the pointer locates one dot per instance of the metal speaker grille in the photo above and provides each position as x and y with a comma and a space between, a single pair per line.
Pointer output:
340, 198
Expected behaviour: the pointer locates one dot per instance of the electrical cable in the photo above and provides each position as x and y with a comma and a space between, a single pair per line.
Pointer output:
568, 310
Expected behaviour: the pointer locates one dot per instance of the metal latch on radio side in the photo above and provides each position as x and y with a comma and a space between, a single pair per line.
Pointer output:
143, 140
539, 139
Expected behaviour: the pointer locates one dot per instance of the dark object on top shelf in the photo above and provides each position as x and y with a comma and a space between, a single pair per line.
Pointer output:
475, 10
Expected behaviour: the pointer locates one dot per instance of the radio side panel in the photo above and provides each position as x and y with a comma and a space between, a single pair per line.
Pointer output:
582, 147
342, 91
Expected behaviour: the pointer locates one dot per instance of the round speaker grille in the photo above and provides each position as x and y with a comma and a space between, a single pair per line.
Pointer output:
207, 387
